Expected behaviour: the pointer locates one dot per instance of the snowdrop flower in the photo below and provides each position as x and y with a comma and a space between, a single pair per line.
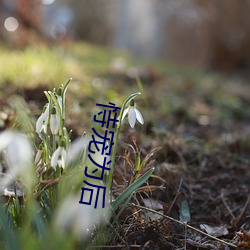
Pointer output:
76, 151
17, 152
54, 121
42, 122
59, 97
133, 114
39, 154
59, 157
77, 219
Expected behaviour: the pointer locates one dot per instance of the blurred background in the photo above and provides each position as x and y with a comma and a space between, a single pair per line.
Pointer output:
211, 34
193, 60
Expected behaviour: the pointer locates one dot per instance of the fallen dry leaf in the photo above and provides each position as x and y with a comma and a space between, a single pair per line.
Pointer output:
215, 231
245, 236
152, 204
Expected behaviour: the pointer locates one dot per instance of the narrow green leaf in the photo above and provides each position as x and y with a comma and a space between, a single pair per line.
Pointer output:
65, 87
138, 163
122, 209
11, 237
128, 191
39, 222
47, 95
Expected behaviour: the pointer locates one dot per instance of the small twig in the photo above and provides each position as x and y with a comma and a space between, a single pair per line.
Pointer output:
57, 180
185, 242
149, 188
227, 207
239, 217
116, 232
183, 224
116, 246
49, 185
175, 198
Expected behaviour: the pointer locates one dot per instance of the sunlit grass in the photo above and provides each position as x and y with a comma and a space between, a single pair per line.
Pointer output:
37, 65
90, 66
34, 65
43, 64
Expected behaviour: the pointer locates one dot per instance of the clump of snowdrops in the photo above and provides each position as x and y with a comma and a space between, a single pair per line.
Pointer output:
44, 174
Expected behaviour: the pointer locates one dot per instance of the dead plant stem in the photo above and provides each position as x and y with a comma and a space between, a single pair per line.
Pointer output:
177, 193
239, 217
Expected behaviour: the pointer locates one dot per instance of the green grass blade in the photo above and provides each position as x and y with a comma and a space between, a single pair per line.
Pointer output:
122, 209
128, 191
10, 236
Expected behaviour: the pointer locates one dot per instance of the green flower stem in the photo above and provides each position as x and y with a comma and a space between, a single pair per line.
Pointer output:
52, 95
66, 138
54, 142
47, 137
65, 87
46, 147
117, 131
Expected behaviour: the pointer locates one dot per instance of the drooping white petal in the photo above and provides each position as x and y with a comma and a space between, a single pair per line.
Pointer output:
19, 151
133, 114
132, 117
54, 124
46, 112
42, 121
18, 156
38, 156
44, 127
55, 156
124, 113
62, 161
59, 99
59, 157
39, 123
139, 116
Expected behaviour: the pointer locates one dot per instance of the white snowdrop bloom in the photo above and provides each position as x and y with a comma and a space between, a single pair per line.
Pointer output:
17, 152
39, 154
42, 121
133, 114
54, 121
77, 219
17, 148
59, 99
76, 151
59, 157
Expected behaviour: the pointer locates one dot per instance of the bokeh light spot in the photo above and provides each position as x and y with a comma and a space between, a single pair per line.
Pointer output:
47, 2
58, 31
11, 24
